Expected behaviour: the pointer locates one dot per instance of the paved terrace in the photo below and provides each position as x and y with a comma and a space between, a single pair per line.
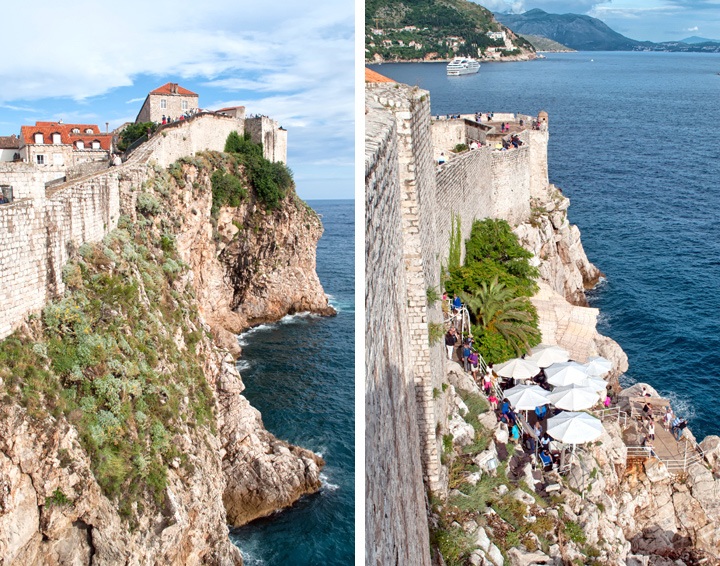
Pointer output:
676, 455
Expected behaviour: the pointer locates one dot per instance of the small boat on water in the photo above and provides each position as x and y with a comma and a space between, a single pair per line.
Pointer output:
462, 66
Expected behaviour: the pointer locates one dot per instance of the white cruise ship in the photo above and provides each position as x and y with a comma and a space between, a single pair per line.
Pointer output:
462, 66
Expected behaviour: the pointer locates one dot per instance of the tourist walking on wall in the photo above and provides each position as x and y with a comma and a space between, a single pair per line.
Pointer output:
474, 361
668, 418
450, 341
466, 355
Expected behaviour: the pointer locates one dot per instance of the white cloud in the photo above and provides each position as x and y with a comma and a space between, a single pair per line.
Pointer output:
99, 46
290, 60
694, 28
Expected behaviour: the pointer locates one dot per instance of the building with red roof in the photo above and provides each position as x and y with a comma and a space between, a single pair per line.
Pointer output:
170, 100
63, 145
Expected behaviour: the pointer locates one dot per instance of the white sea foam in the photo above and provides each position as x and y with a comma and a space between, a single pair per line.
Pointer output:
326, 485
243, 365
243, 338
681, 406
297, 317
250, 559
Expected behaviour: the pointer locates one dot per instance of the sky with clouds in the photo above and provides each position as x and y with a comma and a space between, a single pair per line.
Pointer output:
644, 20
94, 62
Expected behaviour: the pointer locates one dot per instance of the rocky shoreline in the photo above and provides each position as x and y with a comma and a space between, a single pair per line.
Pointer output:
610, 508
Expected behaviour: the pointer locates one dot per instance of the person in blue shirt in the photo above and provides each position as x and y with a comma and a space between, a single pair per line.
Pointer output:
515, 433
457, 303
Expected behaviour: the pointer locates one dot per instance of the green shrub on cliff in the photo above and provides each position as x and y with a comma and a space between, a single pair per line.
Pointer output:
494, 283
272, 181
116, 356
227, 190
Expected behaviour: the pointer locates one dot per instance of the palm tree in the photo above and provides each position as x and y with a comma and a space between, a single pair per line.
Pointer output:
497, 310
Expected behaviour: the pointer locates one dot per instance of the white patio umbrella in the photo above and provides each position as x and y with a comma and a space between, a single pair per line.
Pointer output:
573, 397
599, 366
526, 397
596, 383
517, 368
574, 428
565, 373
546, 355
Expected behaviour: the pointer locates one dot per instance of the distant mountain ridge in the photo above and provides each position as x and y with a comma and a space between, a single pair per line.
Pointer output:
544, 44
695, 39
583, 33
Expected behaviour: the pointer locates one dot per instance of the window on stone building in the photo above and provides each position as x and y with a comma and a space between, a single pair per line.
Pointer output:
163, 104
39, 138
80, 144
40, 159
184, 105
95, 144
56, 138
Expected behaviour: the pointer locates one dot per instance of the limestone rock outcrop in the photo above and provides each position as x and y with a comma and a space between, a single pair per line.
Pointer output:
262, 473
53, 511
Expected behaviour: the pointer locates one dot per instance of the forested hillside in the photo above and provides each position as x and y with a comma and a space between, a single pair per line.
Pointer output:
431, 29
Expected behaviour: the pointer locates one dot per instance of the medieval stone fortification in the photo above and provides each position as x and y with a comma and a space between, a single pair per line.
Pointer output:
43, 226
410, 404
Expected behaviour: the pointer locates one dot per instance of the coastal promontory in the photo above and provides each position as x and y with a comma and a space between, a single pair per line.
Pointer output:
125, 437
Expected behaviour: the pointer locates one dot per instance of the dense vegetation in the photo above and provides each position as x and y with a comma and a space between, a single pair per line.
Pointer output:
495, 282
134, 132
436, 23
118, 356
272, 181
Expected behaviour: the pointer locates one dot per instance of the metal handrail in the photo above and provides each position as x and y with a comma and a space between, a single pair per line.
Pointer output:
610, 413
671, 464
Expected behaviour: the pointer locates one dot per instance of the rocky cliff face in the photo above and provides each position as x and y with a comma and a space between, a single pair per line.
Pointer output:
249, 265
565, 274
64, 498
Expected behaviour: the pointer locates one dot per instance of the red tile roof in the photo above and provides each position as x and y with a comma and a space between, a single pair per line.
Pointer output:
375, 77
47, 129
173, 88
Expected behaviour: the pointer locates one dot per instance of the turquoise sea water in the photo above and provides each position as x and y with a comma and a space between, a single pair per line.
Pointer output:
634, 143
299, 373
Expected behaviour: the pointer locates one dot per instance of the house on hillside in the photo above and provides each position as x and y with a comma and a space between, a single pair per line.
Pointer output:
63, 145
168, 100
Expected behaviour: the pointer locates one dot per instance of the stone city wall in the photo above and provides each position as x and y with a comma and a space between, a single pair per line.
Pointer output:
187, 137
39, 234
488, 183
446, 134
396, 515
27, 180
410, 107
23, 260
478, 184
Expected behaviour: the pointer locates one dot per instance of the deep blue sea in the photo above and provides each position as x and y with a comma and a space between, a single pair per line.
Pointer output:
299, 373
635, 144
